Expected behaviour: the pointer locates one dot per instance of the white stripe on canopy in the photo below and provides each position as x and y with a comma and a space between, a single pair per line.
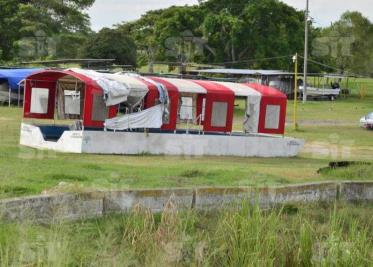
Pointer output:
240, 89
186, 86
253, 101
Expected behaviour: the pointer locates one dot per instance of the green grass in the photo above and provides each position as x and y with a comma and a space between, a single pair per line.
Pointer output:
25, 171
343, 111
294, 235
358, 170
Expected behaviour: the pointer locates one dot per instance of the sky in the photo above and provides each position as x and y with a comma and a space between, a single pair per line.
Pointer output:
105, 13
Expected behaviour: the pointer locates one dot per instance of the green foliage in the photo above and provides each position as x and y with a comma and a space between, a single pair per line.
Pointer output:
235, 34
9, 26
218, 32
111, 44
318, 235
29, 24
363, 171
347, 44
258, 29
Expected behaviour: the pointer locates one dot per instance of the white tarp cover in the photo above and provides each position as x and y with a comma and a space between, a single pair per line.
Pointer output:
149, 118
115, 92
137, 88
251, 123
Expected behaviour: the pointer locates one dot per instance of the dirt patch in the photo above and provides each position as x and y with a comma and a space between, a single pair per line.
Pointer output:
337, 151
322, 123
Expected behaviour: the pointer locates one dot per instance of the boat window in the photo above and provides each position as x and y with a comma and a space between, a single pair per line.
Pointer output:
272, 120
219, 114
99, 109
70, 98
72, 102
39, 100
186, 109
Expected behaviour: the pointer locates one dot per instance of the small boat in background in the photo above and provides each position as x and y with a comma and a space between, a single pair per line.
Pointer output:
328, 88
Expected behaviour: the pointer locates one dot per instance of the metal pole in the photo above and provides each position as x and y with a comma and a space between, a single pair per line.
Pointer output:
306, 16
295, 91
9, 95
19, 93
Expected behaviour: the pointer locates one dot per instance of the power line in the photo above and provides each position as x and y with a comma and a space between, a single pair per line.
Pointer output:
334, 68
230, 62
251, 60
322, 64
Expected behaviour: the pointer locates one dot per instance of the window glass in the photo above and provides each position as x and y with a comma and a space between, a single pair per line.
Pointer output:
39, 100
186, 109
72, 102
272, 117
219, 114
100, 111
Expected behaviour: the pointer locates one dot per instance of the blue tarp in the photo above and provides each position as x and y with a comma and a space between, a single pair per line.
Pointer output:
14, 76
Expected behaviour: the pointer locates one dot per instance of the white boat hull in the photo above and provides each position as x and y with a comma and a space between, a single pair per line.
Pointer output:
313, 91
133, 143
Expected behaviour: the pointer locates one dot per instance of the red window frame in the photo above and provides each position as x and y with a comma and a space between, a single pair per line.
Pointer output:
45, 84
90, 92
216, 93
174, 96
270, 96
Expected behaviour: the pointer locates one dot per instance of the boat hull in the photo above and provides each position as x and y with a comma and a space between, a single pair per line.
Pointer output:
133, 143
313, 91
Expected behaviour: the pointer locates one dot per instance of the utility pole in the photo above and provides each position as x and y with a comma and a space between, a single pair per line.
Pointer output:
306, 16
295, 60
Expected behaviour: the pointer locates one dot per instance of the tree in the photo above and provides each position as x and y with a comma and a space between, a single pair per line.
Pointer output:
347, 44
217, 31
25, 24
111, 44
171, 34
9, 26
254, 29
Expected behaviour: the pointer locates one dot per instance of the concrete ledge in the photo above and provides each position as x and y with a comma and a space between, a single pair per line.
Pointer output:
155, 200
304, 193
357, 191
47, 208
95, 204
266, 197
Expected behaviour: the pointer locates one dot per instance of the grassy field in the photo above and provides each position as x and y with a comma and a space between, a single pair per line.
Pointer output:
314, 235
330, 129
294, 235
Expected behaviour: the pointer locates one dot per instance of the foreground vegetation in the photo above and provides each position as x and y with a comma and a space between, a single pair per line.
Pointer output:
320, 235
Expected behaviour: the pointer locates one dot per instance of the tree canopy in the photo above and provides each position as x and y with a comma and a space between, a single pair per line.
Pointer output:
26, 24
237, 33
347, 44
220, 32
111, 44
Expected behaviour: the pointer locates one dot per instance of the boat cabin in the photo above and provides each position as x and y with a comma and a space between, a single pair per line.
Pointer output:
78, 96
90, 112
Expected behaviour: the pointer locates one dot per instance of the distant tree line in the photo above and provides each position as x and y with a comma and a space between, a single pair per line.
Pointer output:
238, 34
